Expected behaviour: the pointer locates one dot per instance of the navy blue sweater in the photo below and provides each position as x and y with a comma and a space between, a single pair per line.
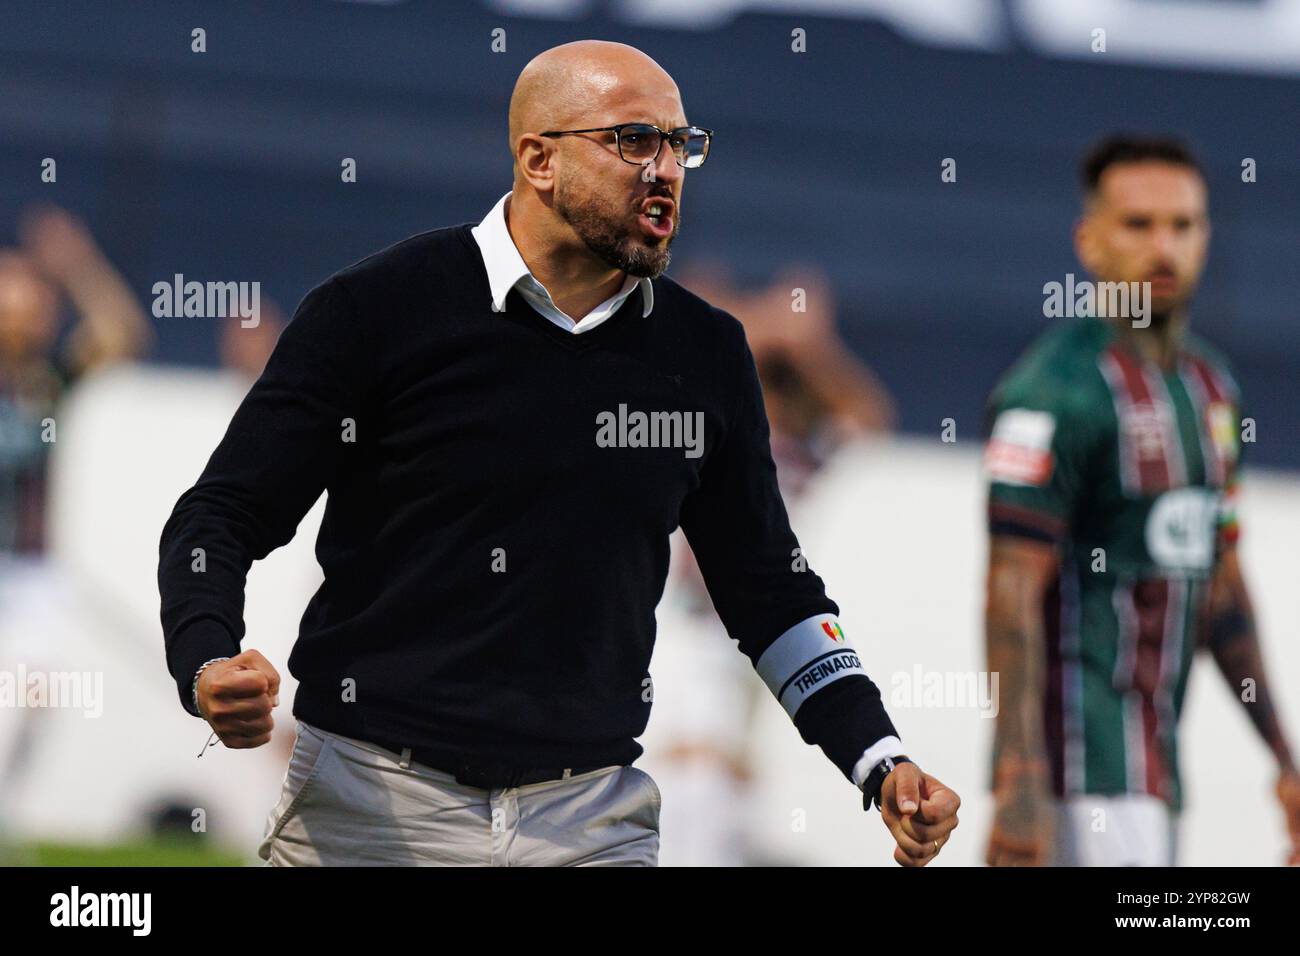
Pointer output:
495, 536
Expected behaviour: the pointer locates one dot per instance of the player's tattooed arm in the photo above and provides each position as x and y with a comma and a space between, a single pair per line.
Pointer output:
1232, 640
1019, 571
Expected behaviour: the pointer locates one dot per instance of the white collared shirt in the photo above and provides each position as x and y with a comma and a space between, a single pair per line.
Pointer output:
507, 270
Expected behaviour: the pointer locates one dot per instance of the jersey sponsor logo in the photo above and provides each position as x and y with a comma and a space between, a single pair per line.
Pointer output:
1180, 529
1150, 452
1019, 451
1144, 425
833, 631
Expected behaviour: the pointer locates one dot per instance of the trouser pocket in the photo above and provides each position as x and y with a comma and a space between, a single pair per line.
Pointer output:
310, 753
654, 797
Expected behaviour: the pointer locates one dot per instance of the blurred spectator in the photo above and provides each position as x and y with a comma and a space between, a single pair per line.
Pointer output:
818, 394
56, 258
245, 349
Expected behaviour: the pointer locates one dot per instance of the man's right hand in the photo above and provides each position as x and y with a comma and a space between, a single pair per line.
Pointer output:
236, 696
1023, 823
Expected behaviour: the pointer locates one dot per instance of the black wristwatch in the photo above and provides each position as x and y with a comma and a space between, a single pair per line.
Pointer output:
875, 781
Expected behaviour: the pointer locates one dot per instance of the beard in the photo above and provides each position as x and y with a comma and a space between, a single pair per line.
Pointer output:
1165, 308
598, 224
1161, 316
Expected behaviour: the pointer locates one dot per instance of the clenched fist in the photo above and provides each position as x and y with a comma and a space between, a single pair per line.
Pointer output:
235, 698
919, 811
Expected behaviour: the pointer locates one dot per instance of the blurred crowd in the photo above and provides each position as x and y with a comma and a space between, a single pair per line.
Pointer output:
56, 263
66, 314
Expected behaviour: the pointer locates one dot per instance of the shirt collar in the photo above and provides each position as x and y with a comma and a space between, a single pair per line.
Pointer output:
506, 267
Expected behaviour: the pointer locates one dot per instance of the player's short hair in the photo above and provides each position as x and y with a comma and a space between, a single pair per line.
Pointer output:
1133, 148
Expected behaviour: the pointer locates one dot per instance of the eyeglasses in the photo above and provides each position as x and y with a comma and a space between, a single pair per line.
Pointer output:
639, 143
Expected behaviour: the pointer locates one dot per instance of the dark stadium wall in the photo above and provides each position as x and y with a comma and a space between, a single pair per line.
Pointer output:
226, 165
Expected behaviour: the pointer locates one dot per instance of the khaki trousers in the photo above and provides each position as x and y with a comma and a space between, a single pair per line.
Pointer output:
347, 802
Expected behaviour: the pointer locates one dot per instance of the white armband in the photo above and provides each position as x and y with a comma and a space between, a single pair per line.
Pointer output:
809, 656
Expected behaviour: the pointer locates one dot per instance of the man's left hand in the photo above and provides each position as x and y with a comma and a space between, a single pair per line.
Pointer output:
920, 812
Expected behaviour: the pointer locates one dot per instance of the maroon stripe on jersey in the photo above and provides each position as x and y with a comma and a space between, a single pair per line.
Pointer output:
1204, 394
1151, 605
1141, 428
1209, 378
1054, 704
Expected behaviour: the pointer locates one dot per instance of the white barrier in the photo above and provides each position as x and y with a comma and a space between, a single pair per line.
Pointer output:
130, 442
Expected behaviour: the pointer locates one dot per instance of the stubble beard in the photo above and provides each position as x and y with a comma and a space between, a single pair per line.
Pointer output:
597, 224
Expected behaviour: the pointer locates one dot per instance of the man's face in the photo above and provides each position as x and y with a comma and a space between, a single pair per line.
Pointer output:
607, 200
1147, 223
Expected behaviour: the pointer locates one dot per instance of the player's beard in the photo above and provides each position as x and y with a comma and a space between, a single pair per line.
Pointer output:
1176, 302
1170, 310
600, 224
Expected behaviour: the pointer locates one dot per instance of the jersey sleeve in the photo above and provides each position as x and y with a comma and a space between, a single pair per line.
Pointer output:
1035, 462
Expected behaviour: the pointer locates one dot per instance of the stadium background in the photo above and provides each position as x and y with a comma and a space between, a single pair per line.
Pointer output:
225, 165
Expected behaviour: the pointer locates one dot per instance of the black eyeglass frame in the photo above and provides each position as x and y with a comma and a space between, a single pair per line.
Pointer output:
663, 135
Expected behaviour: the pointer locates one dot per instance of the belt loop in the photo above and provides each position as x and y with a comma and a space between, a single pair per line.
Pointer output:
568, 772
405, 762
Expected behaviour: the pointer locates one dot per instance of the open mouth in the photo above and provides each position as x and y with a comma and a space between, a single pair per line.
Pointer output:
656, 217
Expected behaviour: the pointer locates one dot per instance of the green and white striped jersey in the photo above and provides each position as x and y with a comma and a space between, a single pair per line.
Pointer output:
1130, 470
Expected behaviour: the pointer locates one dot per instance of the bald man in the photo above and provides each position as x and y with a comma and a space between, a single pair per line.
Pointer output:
511, 418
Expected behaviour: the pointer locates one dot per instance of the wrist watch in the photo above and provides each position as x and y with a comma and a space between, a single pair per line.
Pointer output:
875, 781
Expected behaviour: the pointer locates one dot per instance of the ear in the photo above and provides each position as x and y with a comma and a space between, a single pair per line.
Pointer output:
1085, 242
536, 158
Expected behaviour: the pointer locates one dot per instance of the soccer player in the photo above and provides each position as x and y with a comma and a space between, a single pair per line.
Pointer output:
1112, 461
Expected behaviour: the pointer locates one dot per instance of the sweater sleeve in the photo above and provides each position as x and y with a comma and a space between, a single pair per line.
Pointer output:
286, 441
770, 601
